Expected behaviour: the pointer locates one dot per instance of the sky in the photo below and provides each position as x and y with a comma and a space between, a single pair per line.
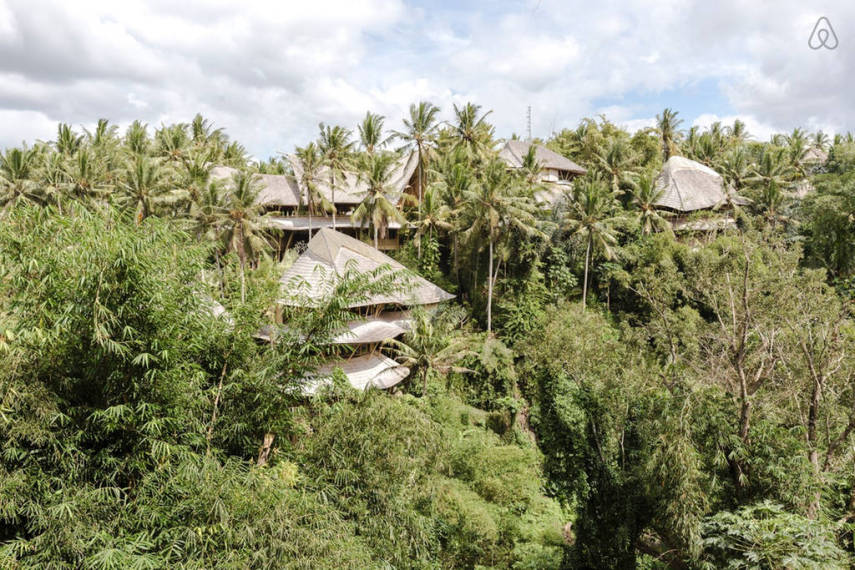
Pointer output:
269, 71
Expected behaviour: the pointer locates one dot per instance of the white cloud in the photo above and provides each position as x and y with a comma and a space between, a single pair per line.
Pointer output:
269, 71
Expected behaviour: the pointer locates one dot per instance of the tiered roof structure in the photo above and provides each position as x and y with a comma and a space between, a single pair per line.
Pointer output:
329, 255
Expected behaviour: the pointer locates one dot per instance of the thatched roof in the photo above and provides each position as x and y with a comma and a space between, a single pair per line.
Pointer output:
815, 155
369, 371
302, 223
688, 186
349, 191
330, 254
515, 151
276, 189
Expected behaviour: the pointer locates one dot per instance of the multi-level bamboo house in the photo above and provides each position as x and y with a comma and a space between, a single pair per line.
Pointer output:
376, 319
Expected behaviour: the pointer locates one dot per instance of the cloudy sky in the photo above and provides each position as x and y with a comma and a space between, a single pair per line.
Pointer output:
270, 71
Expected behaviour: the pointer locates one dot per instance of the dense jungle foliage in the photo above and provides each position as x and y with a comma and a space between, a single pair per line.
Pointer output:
602, 392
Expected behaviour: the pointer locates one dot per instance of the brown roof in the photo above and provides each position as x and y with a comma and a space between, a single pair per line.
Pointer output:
350, 190
330, 254
514, 152
276, 189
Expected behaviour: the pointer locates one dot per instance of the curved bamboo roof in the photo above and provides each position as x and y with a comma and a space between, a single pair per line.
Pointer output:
330, 254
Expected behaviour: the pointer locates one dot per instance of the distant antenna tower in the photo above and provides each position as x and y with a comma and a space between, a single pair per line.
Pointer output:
528, 122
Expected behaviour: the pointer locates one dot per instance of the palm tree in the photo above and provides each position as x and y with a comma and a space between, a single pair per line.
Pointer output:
530, 170
454, 181
242, 222
471, 130
17, 167
136, 138
379, 201
495, 209
736, 168
667, 124
590, 215
738, 133
434, 343
310, 162
820, 140
797, 147
645, 195
419, 135
145, 186
67, 141
371, 132
436, 216
617, 161
84, 176
335, 148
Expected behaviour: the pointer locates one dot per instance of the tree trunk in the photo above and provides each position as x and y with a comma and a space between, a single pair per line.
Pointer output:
264, 450
585, 283
419, 175
332, 189
376, 240
490, 290
241, 250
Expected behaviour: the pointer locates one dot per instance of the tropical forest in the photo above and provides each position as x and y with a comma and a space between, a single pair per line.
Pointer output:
600, 349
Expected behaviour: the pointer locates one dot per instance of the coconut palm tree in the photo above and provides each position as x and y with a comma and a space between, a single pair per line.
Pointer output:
436, 216
144, 187
736, 168
379, 205
434, 343
371, 132
310, 162
67, 141
495, 207
453, 182
419, 135
136, 138
591, 215
617, 161
738, 133
242, 221
336, 155
820, 140
667, 124
17, 171
471, 129
798, 146
645, 195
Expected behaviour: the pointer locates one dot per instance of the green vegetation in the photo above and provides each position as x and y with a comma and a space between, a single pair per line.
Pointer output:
603, 391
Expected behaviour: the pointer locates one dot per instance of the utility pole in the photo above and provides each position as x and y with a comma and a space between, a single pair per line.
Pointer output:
528, 122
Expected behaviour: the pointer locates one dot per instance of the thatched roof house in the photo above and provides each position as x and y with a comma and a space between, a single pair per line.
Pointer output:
330, 254
688, 186
277, 190
550, 161
556, 170
350, 190
815, 155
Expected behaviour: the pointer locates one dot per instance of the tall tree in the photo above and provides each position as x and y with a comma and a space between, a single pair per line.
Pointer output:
242, 223
419, 135
645, 195
371, 132
494, 208
591, 215
668, 126
379, 205
336, 155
